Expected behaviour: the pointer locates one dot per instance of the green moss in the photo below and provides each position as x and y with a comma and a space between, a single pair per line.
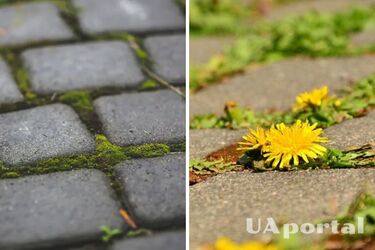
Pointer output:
81, 102
178, 147
80, 99
23, 80
149, 84
66, 8
106, 150
67, 163
147, 150
20, 74
138, 232
10, 175
135, 43
106, 156
8, 55
141, 54
119, 36
6, 2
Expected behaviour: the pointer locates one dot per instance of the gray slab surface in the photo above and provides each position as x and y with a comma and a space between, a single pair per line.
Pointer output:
39, 133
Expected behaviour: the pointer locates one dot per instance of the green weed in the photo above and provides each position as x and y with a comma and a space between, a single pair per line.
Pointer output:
312, 34
354, 101
209, 167
106, 156
109, 233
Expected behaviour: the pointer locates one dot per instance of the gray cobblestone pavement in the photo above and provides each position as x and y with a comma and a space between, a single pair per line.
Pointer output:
30, 23
168, 54
163, 241
140, 16
40, 133
54, 66
144, 186
82, 66
56, 208
9, 91
155, 117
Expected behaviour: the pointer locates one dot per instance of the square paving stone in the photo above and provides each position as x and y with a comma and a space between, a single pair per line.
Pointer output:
81, 66
21, 24
220, 205
56, 209
352, 133
139, 118
134, 16
9, 92
168, 56
206, 141
162, 241
155, 189
274, 86
43, 132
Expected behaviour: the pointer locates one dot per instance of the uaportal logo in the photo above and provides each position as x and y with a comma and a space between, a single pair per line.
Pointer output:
270, 226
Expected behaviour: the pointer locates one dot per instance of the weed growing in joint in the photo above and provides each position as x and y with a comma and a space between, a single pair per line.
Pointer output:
312, 34
297, 146
353, 230
109, 233
107, 155
316, 107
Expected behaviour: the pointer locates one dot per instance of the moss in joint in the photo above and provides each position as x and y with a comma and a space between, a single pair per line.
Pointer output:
178, 147
107, 155
81, 102
147, 150
80, 99
106, 150
149, 84
22, 79
20, 74
134, 42
66, 8
10, 175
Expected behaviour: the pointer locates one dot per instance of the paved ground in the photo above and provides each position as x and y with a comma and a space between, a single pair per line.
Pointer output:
353, 133
9, 91
205, 141
203, 48
363, 39
46, 53
267, 84
220, 205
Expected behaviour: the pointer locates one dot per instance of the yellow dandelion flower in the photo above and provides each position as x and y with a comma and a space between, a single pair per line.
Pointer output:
227, 244
297, 141
337, 103
255, 139
313, 98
